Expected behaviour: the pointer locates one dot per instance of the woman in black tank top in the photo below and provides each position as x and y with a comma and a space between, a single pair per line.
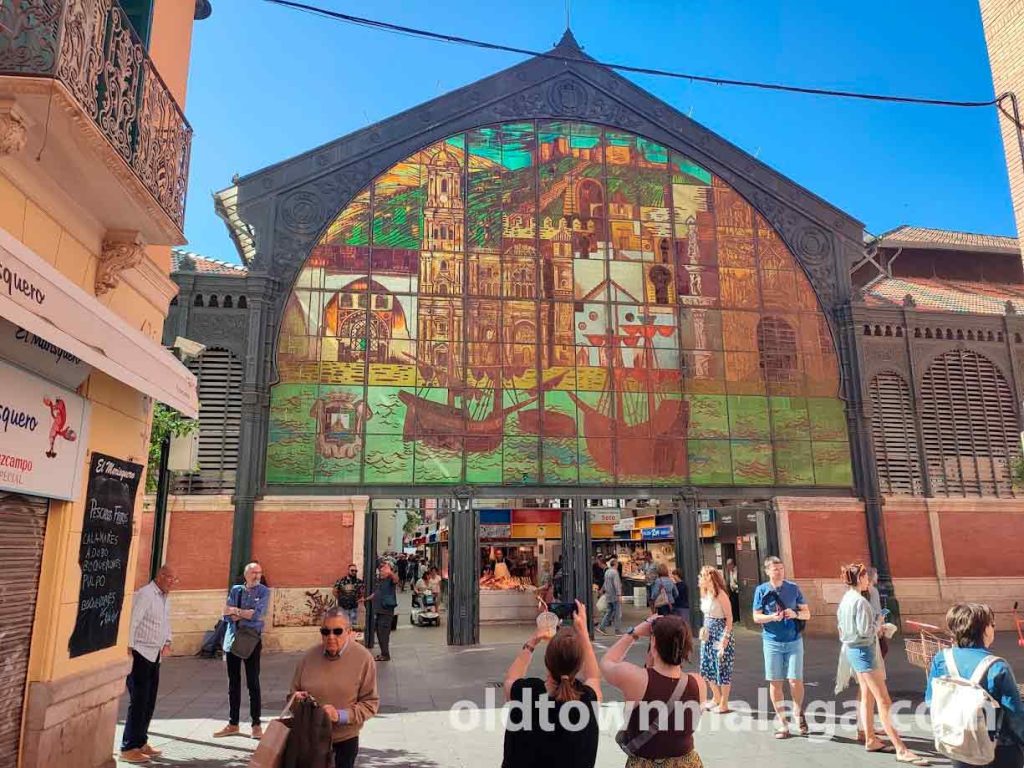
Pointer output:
671, 746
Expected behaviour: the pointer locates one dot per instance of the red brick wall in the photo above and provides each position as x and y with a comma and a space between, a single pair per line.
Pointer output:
199, 548
909, 538
302, 549
982, 543
822, 541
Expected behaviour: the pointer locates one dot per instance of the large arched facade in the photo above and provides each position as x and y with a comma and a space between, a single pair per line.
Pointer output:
598, 297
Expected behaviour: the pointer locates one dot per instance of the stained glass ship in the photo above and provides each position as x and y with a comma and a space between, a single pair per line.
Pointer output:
635, 429
472, 419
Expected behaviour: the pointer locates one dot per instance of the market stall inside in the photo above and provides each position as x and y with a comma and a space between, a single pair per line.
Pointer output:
518, 549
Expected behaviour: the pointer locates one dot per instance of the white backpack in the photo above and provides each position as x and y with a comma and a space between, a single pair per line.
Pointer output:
961, 710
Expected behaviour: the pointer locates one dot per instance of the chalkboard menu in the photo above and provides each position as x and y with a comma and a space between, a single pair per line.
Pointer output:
103, 555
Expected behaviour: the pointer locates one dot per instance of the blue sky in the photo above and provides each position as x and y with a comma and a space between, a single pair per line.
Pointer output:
268, 83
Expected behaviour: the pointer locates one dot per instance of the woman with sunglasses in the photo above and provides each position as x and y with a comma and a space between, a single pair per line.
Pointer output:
341, 675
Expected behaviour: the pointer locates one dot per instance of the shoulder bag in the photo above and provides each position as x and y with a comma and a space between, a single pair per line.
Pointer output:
246, 639
662, 599
799, 623
633, 746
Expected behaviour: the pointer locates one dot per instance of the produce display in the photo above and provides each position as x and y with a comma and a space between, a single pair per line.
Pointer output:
517, 583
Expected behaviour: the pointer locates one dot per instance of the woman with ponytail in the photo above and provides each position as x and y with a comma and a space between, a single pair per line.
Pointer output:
858, 633
537, 732
660, 696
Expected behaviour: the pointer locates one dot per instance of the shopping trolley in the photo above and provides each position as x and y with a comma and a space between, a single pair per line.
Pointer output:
929, 641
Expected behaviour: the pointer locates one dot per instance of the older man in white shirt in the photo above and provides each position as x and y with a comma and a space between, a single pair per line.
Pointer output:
149, 638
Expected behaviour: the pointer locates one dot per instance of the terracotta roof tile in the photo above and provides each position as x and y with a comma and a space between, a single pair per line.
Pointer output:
922, 237
187, 261
941, 295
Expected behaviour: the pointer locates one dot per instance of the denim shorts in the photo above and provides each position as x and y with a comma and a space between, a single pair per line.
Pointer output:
861, 657
783, 661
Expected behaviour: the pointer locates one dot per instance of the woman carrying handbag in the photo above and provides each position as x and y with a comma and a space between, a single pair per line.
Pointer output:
663, 592
245, 611
717, 644
670, 695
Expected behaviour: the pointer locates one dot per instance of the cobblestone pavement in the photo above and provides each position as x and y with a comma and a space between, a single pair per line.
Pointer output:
419, 687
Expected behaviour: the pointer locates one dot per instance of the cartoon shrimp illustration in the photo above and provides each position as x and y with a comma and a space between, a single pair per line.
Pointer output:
59, 428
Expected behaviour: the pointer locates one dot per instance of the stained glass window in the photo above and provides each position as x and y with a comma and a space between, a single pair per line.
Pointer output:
554, 303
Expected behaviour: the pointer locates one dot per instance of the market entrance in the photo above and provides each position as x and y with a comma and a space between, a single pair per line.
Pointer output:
489, 561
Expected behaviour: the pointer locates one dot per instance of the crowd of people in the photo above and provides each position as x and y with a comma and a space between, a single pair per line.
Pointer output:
335, 683
782, 612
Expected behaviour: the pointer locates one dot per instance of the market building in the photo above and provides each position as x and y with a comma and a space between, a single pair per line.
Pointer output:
94, 156
568, 319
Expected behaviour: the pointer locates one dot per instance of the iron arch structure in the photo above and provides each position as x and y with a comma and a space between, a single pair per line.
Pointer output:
277, 216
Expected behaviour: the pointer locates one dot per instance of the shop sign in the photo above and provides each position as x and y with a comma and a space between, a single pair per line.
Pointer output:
38, 355
495, 531
604, 516
657, 532
42, 435
625, 524
707, 515
103, 552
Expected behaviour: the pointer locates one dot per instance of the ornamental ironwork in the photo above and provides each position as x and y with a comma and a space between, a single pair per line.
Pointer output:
91, 48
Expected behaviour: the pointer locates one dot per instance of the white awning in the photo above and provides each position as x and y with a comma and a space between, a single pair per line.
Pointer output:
36, 296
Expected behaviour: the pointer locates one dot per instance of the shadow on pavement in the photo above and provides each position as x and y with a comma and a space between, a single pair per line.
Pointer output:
392, 758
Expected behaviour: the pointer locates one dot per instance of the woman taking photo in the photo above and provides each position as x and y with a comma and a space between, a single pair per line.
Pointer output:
572, 680
858, 631
717, 644
669, 743
973, 627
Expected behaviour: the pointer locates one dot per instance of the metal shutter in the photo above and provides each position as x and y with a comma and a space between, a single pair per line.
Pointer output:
219, 383
969, 424
22, 528
892, 432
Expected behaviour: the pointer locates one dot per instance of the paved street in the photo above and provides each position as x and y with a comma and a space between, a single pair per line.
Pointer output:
426, 678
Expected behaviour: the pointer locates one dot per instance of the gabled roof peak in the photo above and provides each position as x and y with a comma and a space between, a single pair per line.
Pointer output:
568, 46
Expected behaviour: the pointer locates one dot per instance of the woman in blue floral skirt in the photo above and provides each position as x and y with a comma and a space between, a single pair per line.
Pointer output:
717, 645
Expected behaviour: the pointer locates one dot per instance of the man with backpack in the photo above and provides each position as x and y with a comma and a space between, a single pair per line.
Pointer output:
976, 711
781, 610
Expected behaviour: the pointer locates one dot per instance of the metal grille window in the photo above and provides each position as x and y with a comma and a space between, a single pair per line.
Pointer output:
219, 383
892, 431
969, 423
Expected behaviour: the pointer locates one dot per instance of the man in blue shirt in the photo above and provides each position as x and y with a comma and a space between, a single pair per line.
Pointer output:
778, 606
246, 607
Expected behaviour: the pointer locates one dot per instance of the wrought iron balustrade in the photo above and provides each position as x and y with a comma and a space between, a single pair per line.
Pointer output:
91, 48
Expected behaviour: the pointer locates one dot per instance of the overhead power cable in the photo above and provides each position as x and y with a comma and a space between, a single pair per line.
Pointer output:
447, 38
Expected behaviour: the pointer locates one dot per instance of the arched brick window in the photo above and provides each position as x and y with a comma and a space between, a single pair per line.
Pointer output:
219, 383
969, 424
892, 431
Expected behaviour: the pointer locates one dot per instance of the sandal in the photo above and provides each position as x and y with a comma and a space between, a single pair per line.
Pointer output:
782, 732
882, 748
719, 711
912, 759
805, 729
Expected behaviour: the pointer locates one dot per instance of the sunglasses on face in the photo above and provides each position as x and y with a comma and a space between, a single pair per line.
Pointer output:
336, 631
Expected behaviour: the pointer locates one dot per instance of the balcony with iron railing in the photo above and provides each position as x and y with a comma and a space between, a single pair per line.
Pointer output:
79, 74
